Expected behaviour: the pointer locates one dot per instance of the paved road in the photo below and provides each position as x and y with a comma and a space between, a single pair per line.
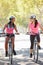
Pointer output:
22, 44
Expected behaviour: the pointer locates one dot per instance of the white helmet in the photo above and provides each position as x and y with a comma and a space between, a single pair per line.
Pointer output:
11, 17
32, 17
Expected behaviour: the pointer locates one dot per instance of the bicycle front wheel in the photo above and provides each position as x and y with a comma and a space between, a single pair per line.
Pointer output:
37, 54
11, 60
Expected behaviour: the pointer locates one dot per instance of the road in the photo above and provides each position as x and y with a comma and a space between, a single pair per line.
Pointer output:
22, 45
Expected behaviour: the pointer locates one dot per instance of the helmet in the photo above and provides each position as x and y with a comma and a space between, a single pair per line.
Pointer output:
32, 17
11, 17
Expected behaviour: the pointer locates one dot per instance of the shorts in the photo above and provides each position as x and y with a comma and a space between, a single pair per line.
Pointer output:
8, 35
32, 37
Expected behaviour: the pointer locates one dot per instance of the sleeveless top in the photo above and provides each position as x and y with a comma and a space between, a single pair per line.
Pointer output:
34, 30
10, 28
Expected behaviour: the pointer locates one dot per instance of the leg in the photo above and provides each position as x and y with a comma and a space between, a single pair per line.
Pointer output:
38, 39
6, 45
13, 39
32, 44
13, 46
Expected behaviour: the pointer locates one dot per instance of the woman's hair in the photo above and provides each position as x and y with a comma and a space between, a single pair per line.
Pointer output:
12, 23
36, 22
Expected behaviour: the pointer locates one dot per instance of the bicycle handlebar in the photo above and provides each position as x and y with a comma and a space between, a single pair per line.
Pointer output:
5, 34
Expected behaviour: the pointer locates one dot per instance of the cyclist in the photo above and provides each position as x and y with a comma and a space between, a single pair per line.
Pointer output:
33, 28
10, 27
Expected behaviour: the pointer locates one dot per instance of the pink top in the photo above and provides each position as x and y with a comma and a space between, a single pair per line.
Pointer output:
9, 30
34, 30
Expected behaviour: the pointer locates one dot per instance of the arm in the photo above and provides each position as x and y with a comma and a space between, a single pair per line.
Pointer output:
16, 30
41, 27
28, 27
4, 27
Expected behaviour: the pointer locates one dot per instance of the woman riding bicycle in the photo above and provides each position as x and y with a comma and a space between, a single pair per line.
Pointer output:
10, 27
33, 28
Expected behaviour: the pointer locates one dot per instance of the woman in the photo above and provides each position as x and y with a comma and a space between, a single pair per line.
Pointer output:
10, 27
33, 28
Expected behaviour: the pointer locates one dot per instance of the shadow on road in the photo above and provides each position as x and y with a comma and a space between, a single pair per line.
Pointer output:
22, 58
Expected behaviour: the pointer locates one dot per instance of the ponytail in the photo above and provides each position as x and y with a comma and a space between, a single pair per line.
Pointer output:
36, 22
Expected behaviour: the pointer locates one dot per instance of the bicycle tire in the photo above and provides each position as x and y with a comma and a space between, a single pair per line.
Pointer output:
37, 54
34, 48
10, 54
11, 59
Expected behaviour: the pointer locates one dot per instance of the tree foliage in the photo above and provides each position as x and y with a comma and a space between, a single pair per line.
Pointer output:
22, 9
